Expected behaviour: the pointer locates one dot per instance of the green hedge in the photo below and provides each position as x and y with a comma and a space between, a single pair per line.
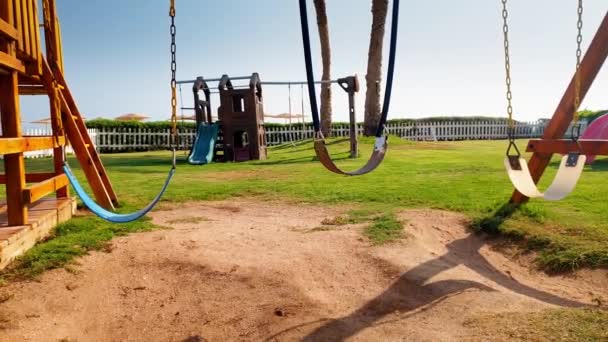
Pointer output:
591, 115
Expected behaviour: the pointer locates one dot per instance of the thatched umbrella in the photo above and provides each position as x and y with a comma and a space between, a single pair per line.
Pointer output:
132, 117
285, 116
186, 117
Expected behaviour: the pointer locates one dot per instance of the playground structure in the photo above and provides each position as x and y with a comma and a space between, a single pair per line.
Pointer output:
24, 70
241, 116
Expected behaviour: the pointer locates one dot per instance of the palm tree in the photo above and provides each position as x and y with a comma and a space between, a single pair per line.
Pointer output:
374, 67
321, 11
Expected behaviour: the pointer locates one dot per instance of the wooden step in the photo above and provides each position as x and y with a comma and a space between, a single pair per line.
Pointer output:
11, 63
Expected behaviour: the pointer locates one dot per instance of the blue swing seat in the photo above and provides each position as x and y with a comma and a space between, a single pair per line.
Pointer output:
106, 214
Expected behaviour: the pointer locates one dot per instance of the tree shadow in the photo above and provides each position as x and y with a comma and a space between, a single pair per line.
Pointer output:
291, 144
411, 291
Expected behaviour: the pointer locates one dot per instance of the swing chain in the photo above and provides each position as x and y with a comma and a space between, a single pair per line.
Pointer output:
173, 73
173, 82
509, 94
576, 127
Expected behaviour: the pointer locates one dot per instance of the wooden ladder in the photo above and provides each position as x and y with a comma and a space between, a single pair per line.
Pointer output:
78, 136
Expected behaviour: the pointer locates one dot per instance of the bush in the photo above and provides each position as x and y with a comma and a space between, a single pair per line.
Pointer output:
591, 115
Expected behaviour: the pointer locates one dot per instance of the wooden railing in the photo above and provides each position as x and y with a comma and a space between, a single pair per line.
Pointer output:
20, 32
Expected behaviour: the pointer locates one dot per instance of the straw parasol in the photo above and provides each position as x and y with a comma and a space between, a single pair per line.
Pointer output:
186, 117
286, 116
132, 117
46, 121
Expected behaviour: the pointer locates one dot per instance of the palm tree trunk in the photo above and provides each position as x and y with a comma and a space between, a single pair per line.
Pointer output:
373, 77
321, 11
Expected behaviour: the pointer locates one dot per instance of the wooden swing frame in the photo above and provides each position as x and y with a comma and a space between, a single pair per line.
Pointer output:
552, 140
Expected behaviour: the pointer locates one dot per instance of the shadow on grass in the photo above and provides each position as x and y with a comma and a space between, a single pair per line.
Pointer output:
292, 144
491, 224
307, 159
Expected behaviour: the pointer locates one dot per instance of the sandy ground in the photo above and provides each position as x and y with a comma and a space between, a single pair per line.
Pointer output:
251, 271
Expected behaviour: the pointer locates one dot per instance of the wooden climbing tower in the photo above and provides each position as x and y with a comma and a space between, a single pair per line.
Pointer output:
25, 71
241, 116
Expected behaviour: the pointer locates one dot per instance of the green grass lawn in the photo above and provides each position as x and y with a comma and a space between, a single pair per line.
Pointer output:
467, 177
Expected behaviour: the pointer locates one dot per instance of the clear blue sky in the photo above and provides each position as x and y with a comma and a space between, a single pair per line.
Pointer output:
450, 58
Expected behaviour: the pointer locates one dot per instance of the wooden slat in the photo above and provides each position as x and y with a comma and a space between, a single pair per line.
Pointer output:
37, 191
32, 177
59, 47
563, 146
8, 31
11, 62
590, 66
25, 29
36, 35
25, 144
18, 22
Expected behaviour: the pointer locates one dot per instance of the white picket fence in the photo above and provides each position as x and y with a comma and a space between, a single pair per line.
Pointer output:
421, 131
133, 139
140, 139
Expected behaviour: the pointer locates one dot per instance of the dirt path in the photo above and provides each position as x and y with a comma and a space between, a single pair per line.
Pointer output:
261, 271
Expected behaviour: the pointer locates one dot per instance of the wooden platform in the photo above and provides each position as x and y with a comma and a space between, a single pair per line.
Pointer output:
44, 215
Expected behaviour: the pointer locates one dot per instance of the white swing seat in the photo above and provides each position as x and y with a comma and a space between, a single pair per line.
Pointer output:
563, 184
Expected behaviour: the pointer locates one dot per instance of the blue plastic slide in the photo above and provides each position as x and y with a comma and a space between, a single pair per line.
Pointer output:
204, 144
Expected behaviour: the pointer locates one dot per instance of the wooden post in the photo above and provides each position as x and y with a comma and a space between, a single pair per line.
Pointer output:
58, 155
13, 163
590, 66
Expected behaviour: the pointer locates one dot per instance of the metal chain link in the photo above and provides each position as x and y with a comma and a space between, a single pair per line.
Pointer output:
173, 73
577, 76
509, 94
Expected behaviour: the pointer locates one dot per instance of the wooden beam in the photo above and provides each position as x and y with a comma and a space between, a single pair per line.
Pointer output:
25, 144
590, 66
29, 80
564, 146
8, 31
37, 191
57, 126
32, 90
14, 164
12, 63
32, 177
